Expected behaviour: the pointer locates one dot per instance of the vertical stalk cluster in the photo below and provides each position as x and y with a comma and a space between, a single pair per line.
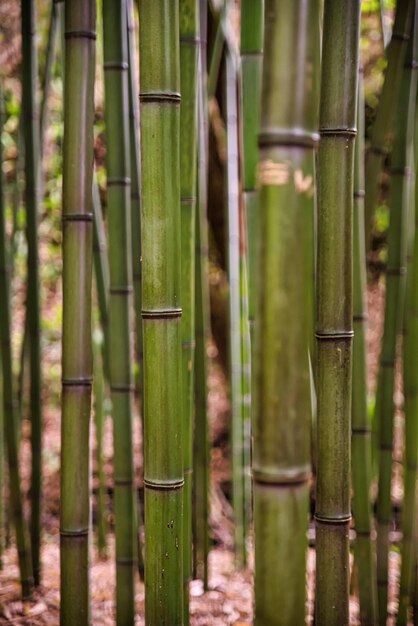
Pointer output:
161, 309
32, 197
80, 18
394, 307
383, 126
334, 307
118, 209
281, 423
189, 30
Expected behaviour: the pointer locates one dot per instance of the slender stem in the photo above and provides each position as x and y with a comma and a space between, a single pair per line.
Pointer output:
161, 309
334, 307
77, 361
119, 223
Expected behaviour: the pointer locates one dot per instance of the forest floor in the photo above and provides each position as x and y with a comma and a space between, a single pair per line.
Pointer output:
229, 598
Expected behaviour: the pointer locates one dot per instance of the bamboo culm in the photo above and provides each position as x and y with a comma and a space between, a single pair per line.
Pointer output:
77, 359
161, 309
32, 199
282, 398
394, 307
334, 319
119, 224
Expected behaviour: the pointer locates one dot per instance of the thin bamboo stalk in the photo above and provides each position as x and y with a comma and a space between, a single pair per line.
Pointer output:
53, 31
281, 421
201, 437
9, 407
364, 549
98, 388
189, 41
136, 232
410, 372
77, 361
32, 199
135, 189
119, 218
394, 306
161, 309
235, 362
383, 125
334, 307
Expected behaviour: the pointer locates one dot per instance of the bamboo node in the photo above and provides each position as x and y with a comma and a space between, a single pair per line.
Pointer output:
77, 34
166, 486
121, 290
122, 388
336, 335
161, 313
77, 217
340, 131
359, 193
287, 137
344, 518
168, 96
82, 381
77, 532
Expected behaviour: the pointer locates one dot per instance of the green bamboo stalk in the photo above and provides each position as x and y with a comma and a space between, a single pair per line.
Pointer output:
32, 199
383, 126
101, 272
11, 422
136, 231
364, 549
282, 414
161, 309
77, 361
334, 307
410, 364
201, 435
394, 305
235, 362
53, 31
252, 22
119, 217
2, 424
98, 388
410, 370
135, 189
189, 33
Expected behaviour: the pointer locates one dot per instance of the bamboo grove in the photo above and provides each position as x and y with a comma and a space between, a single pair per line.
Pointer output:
274, 144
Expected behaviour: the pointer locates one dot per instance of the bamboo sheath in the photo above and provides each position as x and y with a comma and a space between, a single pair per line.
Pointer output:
11, 421
161, 310
282, 412
119, 218
335, 308
76, 343
201, 438
189, 42
394, 307
364, 549
383, 126
32, 198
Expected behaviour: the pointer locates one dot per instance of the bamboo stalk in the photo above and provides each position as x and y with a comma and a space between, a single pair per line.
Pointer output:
364, 549
98, 388
119, 217
53, 30
334, 307
235, 361
161, 309
32, 198
11, 421
394, 306
136, 233
77, 362
201, 435
410, 367
383, 125
189, 33
282, 413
